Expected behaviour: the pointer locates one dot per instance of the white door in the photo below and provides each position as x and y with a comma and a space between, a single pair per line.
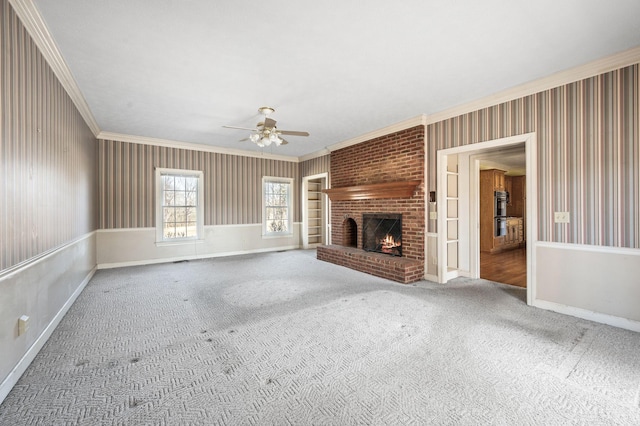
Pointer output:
449, 218
461, 208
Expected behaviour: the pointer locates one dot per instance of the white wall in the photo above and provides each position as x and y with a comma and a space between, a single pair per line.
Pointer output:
592, 282
137, 246
43, 289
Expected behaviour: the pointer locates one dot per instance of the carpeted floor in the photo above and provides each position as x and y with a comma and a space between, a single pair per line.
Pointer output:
281, 338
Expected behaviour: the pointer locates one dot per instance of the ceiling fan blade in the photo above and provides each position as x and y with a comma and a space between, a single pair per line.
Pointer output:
293, 133
269, 123
243, 140
239, 128
283, 142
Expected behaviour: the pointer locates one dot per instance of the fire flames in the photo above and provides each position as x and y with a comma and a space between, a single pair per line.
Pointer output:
388, 243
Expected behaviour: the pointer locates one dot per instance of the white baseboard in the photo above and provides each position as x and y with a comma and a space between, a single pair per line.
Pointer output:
193, 257
429, 277
588, 315
13, 377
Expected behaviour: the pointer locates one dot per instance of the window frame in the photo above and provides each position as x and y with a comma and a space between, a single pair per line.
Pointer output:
265, 231
160, 239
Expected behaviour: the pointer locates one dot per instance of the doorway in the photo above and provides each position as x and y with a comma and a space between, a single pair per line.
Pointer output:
468, 202
502, 214
315, 211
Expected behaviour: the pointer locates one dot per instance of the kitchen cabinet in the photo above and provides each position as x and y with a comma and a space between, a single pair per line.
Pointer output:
515, 233
498, 179
490, 181
517, 206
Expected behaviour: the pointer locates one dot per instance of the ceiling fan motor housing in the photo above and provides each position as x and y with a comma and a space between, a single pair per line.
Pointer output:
266, 132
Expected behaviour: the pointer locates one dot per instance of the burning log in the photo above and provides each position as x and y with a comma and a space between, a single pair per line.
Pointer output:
388, 243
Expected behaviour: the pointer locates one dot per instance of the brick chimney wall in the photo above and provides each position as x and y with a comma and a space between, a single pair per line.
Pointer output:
395, 157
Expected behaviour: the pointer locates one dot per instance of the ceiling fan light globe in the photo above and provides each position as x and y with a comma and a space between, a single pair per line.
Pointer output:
254, 137
265, 141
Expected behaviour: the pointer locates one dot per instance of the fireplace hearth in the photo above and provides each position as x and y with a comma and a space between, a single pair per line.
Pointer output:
382, 233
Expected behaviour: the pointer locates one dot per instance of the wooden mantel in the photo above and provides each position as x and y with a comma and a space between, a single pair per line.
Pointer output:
374, 191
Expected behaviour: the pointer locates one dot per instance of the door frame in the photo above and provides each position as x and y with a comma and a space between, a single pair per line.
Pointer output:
304, 206
470, 188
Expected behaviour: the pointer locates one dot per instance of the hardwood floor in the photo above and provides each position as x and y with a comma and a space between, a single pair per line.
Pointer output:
508, 267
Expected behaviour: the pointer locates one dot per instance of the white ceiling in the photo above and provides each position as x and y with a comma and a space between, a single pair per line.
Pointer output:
180, 70
511, 160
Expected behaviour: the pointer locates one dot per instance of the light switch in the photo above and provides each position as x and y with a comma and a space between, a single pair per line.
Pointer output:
433, 215
561, 217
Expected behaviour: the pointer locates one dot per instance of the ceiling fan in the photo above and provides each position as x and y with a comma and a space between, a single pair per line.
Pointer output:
266, 131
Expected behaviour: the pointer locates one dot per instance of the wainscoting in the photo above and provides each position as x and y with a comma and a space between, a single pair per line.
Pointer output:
42, 289
592, 282
137, 246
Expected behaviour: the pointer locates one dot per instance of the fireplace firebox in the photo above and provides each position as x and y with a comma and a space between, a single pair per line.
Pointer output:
382, 233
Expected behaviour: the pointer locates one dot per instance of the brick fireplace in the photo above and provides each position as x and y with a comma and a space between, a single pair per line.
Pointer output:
381, 177
382, 233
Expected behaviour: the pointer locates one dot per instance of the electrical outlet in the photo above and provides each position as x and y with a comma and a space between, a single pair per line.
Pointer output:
561, 217
23, 325
433, 215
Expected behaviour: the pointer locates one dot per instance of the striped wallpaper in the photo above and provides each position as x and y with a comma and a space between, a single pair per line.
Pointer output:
232, 183
47, 153
588, 136
315, 166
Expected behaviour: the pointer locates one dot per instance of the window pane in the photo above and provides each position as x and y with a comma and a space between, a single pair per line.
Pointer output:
169, 198
191, 214
169, 215
169, 232
180, 230
277, 225
179, 198
168, 182
191, 184
191, 198
180, 183
271, 213
181, 214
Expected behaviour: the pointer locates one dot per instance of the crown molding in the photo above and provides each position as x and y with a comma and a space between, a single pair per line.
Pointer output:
581, 72
406, 124
36, 27
143, 140
313, 155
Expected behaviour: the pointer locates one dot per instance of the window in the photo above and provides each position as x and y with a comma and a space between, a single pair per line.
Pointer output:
179, 209
276, 201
